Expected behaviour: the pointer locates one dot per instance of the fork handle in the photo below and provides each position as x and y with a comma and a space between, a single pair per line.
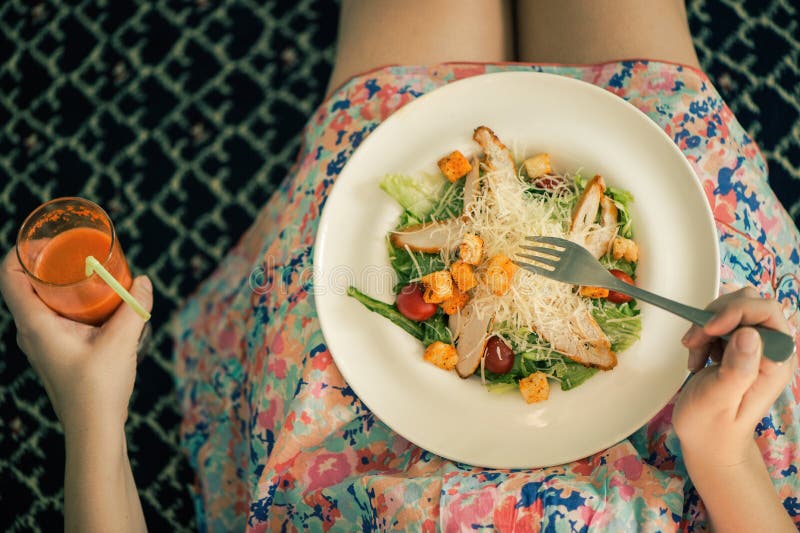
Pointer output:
777, 346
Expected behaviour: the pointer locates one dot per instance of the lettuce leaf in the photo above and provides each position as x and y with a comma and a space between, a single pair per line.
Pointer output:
402, 262
451, 203
501, 387
619, 264
573, 374
389, 311
429, 331
623, 200
435, 329
620, 322
418, 195
424, 198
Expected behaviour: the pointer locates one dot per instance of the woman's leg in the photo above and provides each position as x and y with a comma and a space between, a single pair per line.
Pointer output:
583, 31
374, 33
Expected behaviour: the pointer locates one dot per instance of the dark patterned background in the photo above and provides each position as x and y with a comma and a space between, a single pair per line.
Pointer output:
181, 118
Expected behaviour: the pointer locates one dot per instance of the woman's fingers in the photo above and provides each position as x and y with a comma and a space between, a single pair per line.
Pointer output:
698, 356
739, 367
716, 350
743, 372
741, 308
772, 380
22, 301
746, 311
697, 353
125, 323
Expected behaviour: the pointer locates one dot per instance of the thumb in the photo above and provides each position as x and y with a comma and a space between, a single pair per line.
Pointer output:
125, 323
740, 363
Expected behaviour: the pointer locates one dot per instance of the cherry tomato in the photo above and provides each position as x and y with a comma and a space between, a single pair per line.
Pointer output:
498, 356
618, 297
411, 304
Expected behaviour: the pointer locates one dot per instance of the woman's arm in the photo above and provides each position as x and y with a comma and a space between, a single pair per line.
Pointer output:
718, 410
99, 490
88, 373
739, 497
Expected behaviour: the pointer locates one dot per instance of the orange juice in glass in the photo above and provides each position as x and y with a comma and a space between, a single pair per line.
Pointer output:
52, 246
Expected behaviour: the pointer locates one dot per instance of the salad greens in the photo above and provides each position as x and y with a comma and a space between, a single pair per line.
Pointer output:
619, 264
405, 264
432, 330
424, 199
622, 199
417, 195
620, 322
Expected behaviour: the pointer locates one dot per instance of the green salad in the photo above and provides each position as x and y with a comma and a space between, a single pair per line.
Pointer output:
460, 293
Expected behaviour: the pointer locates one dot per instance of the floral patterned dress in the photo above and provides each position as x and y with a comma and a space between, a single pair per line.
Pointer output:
280, 442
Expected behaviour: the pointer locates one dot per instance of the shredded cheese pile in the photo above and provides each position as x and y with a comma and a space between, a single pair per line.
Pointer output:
504, 215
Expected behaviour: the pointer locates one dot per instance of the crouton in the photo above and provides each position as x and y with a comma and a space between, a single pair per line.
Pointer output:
593, 292
453, 305
442, 355
622, 247
535, 387
454, 166
438, 287
499, 272
471, 249
538, 165
463, 275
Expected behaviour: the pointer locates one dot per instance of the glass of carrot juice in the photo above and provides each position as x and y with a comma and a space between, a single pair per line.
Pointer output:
52, 246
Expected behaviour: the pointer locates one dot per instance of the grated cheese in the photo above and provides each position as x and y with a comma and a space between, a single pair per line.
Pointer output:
504, 215
414, 262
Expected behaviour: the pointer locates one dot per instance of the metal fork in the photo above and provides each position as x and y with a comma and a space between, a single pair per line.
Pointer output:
563, 260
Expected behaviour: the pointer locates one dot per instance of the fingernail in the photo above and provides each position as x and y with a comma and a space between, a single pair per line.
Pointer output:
687, 336
747, 341
712, 321
146, 283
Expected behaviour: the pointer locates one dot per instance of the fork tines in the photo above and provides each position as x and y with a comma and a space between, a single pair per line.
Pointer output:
543, 259
537, 264
555, 241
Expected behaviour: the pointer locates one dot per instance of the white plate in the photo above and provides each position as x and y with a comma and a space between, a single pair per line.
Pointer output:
581, 126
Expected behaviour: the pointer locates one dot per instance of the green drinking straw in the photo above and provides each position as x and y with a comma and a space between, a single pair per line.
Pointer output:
93, 266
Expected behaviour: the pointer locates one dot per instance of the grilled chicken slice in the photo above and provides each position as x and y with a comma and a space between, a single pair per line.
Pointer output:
454, 323
471, 334
430, 237
472, 186
591, 347
598, 241
586, 209
498, 162
583, 341
584, 231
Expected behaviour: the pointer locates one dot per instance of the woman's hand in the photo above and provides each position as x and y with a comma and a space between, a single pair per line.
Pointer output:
720, 405
87, 371
718, 409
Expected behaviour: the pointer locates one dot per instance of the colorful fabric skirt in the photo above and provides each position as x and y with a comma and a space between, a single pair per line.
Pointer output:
280, 442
